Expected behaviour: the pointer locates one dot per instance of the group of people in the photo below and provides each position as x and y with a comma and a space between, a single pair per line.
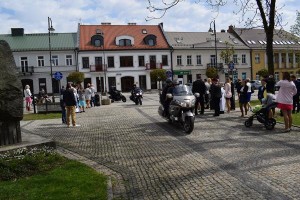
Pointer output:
287, 98
74, 99
213, 95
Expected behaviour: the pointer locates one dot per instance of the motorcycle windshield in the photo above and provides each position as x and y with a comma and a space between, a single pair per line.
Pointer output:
182, 90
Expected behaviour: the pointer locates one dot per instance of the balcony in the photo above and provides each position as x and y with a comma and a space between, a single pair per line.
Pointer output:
25, 69
98, 68
150, 66
219, 66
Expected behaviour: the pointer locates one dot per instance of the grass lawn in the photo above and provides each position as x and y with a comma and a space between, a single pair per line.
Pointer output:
32, 116
66, 179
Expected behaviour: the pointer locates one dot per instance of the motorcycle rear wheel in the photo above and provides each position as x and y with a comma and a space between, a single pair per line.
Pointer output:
188, 125
123, 99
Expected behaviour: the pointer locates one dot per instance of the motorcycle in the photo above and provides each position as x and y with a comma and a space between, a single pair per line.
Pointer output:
180, 110
116, 95
137, 96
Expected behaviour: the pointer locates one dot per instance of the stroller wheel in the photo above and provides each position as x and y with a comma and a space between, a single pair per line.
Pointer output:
270, 123
248, 123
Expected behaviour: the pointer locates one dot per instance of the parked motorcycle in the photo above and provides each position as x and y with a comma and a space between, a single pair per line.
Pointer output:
182, 104
116, 95
137, 96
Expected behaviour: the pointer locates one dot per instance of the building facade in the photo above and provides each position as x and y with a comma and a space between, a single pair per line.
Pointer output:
122, 55
286, 49
194, 52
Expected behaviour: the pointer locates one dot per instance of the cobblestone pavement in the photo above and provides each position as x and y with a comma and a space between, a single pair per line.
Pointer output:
221, 159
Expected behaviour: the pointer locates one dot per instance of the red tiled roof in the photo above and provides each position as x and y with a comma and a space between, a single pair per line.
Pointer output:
110, 32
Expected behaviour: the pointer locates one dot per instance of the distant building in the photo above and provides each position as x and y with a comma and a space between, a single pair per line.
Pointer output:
286, 49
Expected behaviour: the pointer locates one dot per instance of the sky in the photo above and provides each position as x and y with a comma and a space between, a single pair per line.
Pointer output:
187, 16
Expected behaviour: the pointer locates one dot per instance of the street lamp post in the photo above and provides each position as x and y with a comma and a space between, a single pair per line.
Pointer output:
51, 29
215, 33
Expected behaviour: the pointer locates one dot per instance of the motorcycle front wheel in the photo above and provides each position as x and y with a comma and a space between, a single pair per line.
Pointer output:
140, 101
188, 125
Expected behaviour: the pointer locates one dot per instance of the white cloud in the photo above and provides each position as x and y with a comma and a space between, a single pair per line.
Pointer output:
66, 14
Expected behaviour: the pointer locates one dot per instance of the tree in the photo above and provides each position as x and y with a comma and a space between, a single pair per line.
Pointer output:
265, 15
158, 73
227, 53
263, 72
76, 77
211, 72
295, 29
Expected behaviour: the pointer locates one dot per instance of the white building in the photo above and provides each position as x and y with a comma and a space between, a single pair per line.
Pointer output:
194, 52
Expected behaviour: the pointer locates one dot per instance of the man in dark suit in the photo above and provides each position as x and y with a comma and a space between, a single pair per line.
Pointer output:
199, 87
215, 92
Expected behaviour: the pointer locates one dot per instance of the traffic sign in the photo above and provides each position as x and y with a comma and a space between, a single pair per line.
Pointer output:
231, 66
169, 74
58, 75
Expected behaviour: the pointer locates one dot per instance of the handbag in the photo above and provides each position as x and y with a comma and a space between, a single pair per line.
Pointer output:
228, 94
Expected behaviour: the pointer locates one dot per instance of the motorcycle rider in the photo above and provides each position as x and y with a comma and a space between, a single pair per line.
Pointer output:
132, 91
170, 89
163, 96
200, 87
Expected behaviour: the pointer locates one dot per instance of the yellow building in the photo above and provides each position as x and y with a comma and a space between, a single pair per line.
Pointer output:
286, 49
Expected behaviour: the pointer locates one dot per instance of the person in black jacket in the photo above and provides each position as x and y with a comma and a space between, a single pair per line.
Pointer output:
70, 103
270, 87
215, 92
232, 99
199, 86
62, 105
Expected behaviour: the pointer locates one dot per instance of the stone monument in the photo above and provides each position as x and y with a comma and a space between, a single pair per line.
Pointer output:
11, 98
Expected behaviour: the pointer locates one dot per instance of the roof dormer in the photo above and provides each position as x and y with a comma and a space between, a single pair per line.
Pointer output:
97, 40
124, 40
150, 40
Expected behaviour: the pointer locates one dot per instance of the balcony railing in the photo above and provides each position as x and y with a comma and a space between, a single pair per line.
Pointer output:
25, 69
216, 65
150, 66
98, 68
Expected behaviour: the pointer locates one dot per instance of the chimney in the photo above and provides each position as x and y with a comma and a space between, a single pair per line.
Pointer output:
105, 23
17, 31
222, 31
230, 29
131, 23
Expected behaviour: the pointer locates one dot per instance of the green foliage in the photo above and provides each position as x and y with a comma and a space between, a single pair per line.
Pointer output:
47, 175
30, 116
211, 72
76, 77
227, 53
295, 29
161, 73
24, 162
263, 72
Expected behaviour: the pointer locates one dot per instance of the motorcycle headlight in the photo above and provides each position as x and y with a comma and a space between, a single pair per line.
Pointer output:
137, 94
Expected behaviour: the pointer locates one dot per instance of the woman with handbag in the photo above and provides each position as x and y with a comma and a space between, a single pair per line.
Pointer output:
228, 94
28, 97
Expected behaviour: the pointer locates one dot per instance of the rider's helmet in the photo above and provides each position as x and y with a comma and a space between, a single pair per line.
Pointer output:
168, 82
175, 82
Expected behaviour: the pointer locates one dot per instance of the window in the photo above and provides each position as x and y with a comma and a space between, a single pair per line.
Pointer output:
124, 42
213, 59
142, 61
257, 77
235, 59
110, 61
189, 60
54, 60
244, 61
126, 61
276, 76
97, 43
151, 42
290, 55
164, 59
179, 60
198, 57
24, 62
244, 75
98, 61
85, 62
41, 61
257, 58
69, 60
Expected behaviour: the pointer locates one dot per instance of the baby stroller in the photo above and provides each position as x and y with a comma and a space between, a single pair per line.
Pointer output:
262, 115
